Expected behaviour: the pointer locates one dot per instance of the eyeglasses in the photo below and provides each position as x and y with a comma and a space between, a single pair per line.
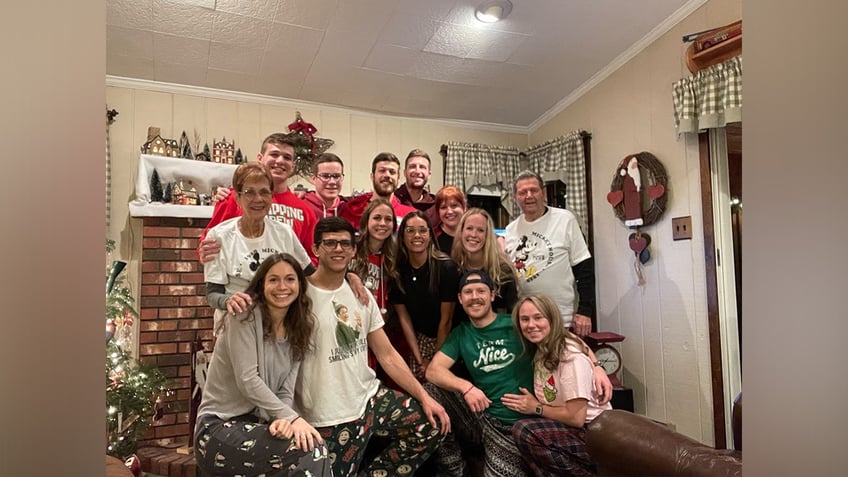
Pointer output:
253, 193
416, 230
326, 177
331, 244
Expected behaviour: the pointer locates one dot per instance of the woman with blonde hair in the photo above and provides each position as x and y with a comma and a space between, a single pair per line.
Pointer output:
563, 401
478, 248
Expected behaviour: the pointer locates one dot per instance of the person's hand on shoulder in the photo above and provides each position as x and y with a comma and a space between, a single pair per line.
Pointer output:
208, 249
603, 386
220, 194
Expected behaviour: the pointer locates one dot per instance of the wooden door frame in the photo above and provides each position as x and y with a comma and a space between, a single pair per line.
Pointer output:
716, 371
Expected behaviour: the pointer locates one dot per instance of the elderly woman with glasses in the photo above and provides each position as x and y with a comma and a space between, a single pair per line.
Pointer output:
245, 242
424, 294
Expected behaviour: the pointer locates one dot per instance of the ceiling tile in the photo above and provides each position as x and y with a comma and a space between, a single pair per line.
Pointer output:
180, 73
307, 13
391, 59
180, 19
293, 38
240, 59
239, 30
262, 9
339, 48
228, 80
129, 67
408, 30
130, 13
367, 17
130, 42
180, 50
429, 9
210, 4
451, 40
495, 45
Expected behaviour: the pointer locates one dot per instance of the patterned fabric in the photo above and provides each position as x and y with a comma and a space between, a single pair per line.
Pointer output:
427, 348
566, 154
709, 99
467, 165
390, 414
468, 432
552, 448
241, 446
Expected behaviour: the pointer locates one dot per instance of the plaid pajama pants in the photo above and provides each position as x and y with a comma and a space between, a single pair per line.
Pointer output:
552, 448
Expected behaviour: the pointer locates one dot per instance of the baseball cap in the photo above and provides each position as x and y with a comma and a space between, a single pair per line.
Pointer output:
481, 277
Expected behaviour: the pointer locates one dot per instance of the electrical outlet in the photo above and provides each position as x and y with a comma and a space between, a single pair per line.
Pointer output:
681, 228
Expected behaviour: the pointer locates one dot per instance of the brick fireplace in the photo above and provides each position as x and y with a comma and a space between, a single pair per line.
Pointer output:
173, 315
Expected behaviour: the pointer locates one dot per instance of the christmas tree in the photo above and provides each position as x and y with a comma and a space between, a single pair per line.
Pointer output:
238, 159
207, 156
185, 147
155, 187
132, 388
168, 195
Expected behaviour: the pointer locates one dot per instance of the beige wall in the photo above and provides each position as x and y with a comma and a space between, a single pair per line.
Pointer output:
666, 350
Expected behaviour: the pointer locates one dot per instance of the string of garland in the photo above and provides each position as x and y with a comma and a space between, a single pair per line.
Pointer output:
652, 172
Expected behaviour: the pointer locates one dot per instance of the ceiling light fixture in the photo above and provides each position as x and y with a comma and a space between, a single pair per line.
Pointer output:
493, 11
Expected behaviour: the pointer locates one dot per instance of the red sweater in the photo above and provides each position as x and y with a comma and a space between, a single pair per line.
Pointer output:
352, 209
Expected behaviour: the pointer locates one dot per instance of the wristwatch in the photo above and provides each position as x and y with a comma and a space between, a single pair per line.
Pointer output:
539, 409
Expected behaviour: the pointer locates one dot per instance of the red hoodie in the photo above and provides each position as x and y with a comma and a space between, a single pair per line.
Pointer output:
319, 209
353, 209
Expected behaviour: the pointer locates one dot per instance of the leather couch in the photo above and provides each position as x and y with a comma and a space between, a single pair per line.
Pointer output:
625, 444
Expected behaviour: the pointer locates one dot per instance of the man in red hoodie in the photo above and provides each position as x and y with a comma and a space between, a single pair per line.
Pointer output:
328, 177
384, 180
277, 153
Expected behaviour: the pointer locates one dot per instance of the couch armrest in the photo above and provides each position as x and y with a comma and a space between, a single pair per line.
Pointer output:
623, 444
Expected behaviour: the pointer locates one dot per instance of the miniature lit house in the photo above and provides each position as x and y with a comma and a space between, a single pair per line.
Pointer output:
223, 151
184, 193
159, 146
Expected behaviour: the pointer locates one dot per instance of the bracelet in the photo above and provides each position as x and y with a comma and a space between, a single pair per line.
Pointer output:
598, 363
292, 421
467, 390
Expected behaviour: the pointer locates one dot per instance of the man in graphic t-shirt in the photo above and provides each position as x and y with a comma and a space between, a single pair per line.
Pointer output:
550, 254
339, 393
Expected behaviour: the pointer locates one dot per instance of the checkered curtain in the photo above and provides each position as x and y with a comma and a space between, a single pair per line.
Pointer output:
565, 153
468, 164
709, 99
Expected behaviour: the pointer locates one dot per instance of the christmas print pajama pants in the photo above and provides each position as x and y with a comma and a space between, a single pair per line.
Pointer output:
391, 414
242, 446
553, 448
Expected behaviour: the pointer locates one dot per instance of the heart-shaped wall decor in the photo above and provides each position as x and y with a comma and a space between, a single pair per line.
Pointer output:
615, 197
655, 191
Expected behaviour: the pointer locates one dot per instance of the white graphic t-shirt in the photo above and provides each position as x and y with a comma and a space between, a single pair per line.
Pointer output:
335, 380
240, 256
543, 252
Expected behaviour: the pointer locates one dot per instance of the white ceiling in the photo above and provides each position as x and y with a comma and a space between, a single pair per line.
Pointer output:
419, 58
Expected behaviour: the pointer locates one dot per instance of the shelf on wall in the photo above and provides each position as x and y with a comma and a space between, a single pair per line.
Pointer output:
203, 176
713, 55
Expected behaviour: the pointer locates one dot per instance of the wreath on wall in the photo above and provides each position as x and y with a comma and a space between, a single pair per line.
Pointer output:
638, 198
638, 190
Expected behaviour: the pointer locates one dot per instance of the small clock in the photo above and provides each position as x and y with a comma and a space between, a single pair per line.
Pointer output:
607, 355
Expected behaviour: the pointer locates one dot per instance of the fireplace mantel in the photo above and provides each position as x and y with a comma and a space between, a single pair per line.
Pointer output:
203, 176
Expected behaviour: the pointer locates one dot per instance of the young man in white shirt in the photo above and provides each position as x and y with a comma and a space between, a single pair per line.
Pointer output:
339, 393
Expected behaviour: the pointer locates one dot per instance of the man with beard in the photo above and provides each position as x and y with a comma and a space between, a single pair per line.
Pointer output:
497, 365
413, 192
384, 179
277, 153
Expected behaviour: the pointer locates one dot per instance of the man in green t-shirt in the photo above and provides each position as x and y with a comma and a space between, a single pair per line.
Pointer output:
497, 365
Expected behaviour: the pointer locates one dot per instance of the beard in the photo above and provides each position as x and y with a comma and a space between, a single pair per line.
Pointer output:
384, 188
